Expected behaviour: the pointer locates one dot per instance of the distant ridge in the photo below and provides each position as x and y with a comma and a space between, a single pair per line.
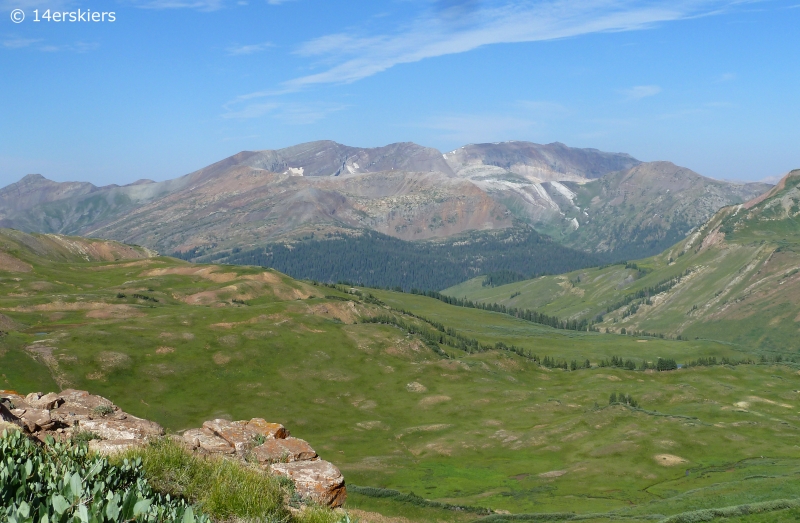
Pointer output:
610, 204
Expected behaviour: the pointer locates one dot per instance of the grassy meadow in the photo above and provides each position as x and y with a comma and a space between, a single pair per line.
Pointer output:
181, 343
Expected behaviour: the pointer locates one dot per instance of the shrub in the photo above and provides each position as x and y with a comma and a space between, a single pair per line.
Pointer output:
103, 410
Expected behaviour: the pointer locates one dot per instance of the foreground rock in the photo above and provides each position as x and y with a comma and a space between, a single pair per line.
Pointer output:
71, 412
317, 479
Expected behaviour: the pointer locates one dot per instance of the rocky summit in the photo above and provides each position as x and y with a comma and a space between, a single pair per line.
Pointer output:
70, 412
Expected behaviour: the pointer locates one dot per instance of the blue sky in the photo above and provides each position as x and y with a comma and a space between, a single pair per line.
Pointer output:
174, 85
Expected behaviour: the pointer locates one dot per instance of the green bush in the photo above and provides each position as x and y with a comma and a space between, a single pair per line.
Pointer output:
64, 482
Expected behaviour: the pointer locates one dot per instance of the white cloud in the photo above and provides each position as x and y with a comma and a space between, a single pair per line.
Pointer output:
355, 57
249, 49
641, 91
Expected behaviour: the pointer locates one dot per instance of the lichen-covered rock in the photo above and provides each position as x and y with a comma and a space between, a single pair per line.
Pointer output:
48, 401
284, 451
243, 435
318, 480
80, 405
208, 441
129, 428
267, 429
114, 446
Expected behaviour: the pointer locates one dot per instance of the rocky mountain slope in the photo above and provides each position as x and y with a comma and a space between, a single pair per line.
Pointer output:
534, 162
736, 278
402, 190
644, 210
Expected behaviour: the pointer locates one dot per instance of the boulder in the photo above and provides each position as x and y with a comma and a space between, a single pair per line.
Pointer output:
243, 435
131, 428
284, 451
114, 446
318, 480
267, 429
80, 405
208, 441
37, 419
8, 419
47, 402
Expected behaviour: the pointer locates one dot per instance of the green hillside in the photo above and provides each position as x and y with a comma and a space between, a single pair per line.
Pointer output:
180, 343
737, 280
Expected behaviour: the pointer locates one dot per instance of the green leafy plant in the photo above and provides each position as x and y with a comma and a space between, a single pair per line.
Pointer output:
61, 482
83, 437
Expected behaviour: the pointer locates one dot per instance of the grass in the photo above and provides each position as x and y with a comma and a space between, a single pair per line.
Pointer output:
483, 430
222, 488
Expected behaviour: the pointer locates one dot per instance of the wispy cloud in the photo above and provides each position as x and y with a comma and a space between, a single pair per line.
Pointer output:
543, 107
290, 112
727, 77
20, 43
249, 49
77, 47
37, 44
32, 4
200, 5
472, 128
638, 92
350, 58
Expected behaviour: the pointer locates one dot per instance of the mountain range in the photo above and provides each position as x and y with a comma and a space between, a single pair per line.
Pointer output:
609, 204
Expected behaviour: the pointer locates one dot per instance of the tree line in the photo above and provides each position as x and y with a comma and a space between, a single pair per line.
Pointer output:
523, 314
377, 260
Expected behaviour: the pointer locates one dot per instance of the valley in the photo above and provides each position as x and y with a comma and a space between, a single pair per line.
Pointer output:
492, 428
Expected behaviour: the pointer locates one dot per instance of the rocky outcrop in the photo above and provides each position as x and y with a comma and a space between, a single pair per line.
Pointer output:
276, 451
70, 412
